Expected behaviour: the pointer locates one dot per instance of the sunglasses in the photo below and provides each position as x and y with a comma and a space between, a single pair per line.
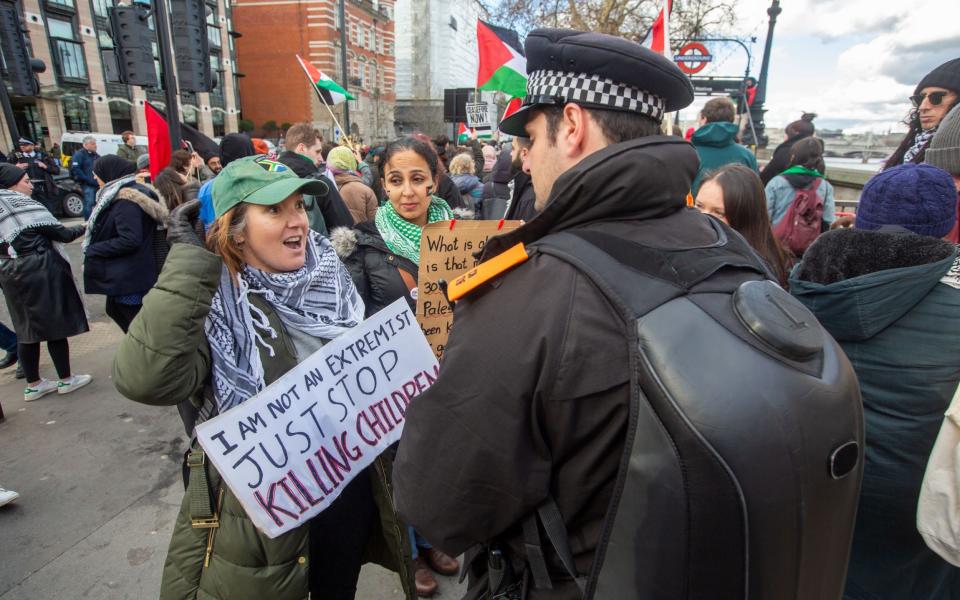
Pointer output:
935, 98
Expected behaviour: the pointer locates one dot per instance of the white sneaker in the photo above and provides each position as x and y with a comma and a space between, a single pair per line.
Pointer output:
7, 496
39, 391
72, 383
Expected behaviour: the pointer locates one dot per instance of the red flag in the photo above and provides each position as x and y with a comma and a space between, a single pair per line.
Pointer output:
158, 140
657, 39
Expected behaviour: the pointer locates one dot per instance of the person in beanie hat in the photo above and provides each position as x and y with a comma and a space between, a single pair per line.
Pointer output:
120, 250
226, 319
889, 293
919, 198
932, 99
38, 285
359, 198
944, 149
545, 448
944, 153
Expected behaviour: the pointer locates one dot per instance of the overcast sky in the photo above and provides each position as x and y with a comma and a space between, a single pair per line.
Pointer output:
854, 62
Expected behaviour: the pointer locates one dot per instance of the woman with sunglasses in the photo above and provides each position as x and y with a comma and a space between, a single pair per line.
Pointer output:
932, 99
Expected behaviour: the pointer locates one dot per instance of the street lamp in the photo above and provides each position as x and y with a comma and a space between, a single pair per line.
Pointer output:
757, 110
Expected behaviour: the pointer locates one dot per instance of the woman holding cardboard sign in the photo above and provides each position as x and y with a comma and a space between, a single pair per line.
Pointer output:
221, 324
383, 258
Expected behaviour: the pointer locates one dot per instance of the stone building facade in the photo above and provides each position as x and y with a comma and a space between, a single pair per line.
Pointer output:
274, 88
72, 37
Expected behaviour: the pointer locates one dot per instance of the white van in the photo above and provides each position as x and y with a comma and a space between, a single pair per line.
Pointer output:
107, 143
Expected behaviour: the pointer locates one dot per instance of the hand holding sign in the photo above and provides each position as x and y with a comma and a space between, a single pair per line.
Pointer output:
289, 451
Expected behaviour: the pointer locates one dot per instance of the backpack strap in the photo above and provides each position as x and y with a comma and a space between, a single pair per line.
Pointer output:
548, 515
668, 273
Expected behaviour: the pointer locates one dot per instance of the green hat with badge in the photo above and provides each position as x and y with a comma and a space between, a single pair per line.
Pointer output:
259, 180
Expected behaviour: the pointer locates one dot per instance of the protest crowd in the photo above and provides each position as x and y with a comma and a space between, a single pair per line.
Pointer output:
665, 370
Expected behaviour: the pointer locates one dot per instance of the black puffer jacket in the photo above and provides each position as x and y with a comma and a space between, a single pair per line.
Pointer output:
120, 259
375, 270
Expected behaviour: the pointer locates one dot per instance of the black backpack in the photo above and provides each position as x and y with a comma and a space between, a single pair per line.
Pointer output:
741, 469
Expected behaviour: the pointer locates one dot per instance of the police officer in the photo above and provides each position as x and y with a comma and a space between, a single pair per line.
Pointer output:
604, 425
41, 168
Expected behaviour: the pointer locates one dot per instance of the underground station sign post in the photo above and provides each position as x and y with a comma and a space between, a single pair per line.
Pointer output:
693, 58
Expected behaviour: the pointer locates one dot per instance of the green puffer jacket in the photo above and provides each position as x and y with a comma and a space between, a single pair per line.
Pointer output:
165, 359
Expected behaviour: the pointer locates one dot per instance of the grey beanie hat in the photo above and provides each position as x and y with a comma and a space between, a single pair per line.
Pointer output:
944, 149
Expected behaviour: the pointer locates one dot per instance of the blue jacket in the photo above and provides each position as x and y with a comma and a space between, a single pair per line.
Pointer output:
716, 146
892, 301
81, 167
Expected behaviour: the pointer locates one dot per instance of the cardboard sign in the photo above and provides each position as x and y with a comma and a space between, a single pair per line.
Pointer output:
447, 250
479, 115
289, 451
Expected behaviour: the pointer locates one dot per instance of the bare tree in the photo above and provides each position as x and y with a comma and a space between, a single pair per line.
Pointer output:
630, 19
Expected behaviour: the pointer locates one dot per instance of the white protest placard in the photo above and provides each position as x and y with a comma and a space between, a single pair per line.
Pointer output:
478, 115
289, 451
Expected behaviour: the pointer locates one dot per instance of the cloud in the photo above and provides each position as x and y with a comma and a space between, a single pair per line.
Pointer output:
854, 59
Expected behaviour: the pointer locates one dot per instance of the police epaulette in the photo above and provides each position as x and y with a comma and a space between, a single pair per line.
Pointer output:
484, 272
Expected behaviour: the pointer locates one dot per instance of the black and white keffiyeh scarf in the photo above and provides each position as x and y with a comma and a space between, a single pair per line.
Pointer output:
19, 213
920, 142
319, 299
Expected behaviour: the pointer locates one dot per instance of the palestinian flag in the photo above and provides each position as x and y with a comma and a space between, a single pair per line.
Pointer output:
502, 64
463, 134
331, 92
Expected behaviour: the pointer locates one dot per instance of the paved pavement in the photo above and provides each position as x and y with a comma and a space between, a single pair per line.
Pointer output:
100, 486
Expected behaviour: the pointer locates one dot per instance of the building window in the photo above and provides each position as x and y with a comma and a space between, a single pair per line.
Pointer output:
120, 117
61, 4
67, 53
76, 114
60, 28
219, 127
190, 116
102, 8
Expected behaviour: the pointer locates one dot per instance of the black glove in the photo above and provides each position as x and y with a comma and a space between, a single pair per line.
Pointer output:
184, 221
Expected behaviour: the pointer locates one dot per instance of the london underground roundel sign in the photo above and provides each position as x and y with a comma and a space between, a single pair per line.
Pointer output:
693, 58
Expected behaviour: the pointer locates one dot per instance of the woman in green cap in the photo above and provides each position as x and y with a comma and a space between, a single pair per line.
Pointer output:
224, 320
383, 257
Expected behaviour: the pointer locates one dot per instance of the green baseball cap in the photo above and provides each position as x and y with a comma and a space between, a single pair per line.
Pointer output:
259, 180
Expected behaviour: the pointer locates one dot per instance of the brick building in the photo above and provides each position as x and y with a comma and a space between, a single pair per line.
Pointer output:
73, 38
274, 88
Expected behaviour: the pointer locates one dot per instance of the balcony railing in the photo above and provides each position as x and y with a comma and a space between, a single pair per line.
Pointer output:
70, 62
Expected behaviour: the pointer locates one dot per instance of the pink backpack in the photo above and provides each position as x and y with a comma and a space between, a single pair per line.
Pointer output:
801, 225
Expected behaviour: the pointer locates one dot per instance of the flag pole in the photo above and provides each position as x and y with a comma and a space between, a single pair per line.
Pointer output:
324, 102
667, 52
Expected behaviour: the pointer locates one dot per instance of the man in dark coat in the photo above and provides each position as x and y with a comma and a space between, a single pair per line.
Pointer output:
532, 423
522, 198
303, 156
81, 169
533, 393
41, 168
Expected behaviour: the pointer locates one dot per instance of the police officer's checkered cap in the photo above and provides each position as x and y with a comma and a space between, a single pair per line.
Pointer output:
594, 90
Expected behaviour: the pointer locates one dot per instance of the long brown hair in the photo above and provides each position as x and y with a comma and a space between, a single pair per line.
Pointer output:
745, 205
913, 122
221, 238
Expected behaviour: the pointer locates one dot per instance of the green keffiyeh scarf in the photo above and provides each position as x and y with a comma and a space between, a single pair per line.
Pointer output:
402, 236
798, 170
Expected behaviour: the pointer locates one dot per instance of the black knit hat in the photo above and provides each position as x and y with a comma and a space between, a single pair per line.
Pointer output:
10, 175
946, 76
